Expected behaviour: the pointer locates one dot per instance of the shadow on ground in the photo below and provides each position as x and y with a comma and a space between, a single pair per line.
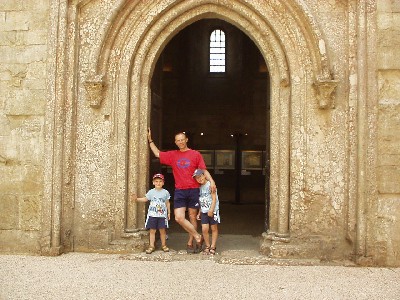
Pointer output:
240, 229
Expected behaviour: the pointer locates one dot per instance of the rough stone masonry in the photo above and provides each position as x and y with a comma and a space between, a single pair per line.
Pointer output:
74, 102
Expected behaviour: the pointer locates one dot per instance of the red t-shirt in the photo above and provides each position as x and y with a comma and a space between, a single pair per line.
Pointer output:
183, 165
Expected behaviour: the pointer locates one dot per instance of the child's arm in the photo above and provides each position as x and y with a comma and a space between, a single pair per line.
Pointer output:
141, 199
213, 204
168, 209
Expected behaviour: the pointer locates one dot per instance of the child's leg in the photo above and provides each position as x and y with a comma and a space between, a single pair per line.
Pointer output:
152, 237
205, 228
162, 236
214, 235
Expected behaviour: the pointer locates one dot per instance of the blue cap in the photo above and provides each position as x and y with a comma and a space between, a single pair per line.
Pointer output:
198, 172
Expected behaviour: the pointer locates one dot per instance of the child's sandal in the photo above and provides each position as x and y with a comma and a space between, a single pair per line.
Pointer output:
150, 250
206, 250
212, 250
165, 248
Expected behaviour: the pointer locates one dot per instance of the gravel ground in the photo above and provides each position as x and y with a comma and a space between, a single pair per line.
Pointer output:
105, 276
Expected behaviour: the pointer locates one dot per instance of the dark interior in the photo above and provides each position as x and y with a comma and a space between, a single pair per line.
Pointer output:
225, 116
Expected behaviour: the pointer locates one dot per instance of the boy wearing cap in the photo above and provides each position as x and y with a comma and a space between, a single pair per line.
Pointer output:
209, 212
159, 212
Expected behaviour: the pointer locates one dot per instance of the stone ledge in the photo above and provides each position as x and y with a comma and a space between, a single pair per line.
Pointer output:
234, 257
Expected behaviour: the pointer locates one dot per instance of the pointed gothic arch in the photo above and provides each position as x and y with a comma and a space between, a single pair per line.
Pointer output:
121, 67
280, 40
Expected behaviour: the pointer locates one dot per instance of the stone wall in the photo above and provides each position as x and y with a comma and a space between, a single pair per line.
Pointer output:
23, 51
386, 225
67, 164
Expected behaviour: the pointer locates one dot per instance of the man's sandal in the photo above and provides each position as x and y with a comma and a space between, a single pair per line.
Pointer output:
190, 249
165, 248
150, 250
212, 250
206, 250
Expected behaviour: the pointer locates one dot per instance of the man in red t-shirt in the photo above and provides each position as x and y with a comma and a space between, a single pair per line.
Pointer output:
184, 162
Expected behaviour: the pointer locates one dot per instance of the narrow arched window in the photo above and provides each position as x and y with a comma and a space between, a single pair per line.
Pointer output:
217, 51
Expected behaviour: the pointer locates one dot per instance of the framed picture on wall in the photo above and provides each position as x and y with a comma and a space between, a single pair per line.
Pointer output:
225, 159
252, 160
166, 169
208, 156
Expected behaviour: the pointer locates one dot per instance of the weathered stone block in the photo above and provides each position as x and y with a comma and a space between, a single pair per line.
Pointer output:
391, 6
388, 179
37, 6
30, 213
24, 54
32, 180
389, 88
33, 37
11, 5
16, 20
26, 103
8, 38
388, 58
19, 241
386, 231
9, 209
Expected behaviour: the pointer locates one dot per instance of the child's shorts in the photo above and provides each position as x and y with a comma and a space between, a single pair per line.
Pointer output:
156, 223
205, 219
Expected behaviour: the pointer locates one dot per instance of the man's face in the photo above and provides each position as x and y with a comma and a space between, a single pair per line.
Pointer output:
181, 141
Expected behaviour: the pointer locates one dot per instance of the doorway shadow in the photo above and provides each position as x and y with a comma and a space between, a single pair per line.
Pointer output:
240, 229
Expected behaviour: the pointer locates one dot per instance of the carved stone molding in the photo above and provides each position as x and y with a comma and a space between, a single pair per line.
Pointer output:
95, 90
325, 87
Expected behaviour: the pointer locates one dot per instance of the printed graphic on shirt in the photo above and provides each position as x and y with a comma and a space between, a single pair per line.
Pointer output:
183, 163
157, 207
205, 198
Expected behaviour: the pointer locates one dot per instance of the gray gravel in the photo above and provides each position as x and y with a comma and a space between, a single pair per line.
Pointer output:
104, 276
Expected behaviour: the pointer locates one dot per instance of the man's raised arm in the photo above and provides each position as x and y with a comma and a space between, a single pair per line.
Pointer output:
153, 146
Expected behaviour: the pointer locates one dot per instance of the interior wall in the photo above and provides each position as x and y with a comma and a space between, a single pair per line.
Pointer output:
228, 111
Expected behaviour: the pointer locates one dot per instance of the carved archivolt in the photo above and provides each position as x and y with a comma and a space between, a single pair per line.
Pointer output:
134, 36
161, 13
139, 31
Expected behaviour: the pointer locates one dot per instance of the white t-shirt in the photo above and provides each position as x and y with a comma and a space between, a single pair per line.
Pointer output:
205, 198
157, 205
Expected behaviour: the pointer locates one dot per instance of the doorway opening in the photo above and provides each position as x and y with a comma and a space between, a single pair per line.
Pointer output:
226, 116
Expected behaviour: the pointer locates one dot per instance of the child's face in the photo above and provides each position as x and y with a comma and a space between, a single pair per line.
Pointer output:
201, 179
158, 183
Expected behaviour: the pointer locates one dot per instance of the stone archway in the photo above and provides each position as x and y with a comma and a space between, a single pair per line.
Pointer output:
117, 75
289, 76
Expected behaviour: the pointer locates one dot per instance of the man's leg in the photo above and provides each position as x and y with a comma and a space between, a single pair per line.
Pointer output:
185, 224
193, 220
